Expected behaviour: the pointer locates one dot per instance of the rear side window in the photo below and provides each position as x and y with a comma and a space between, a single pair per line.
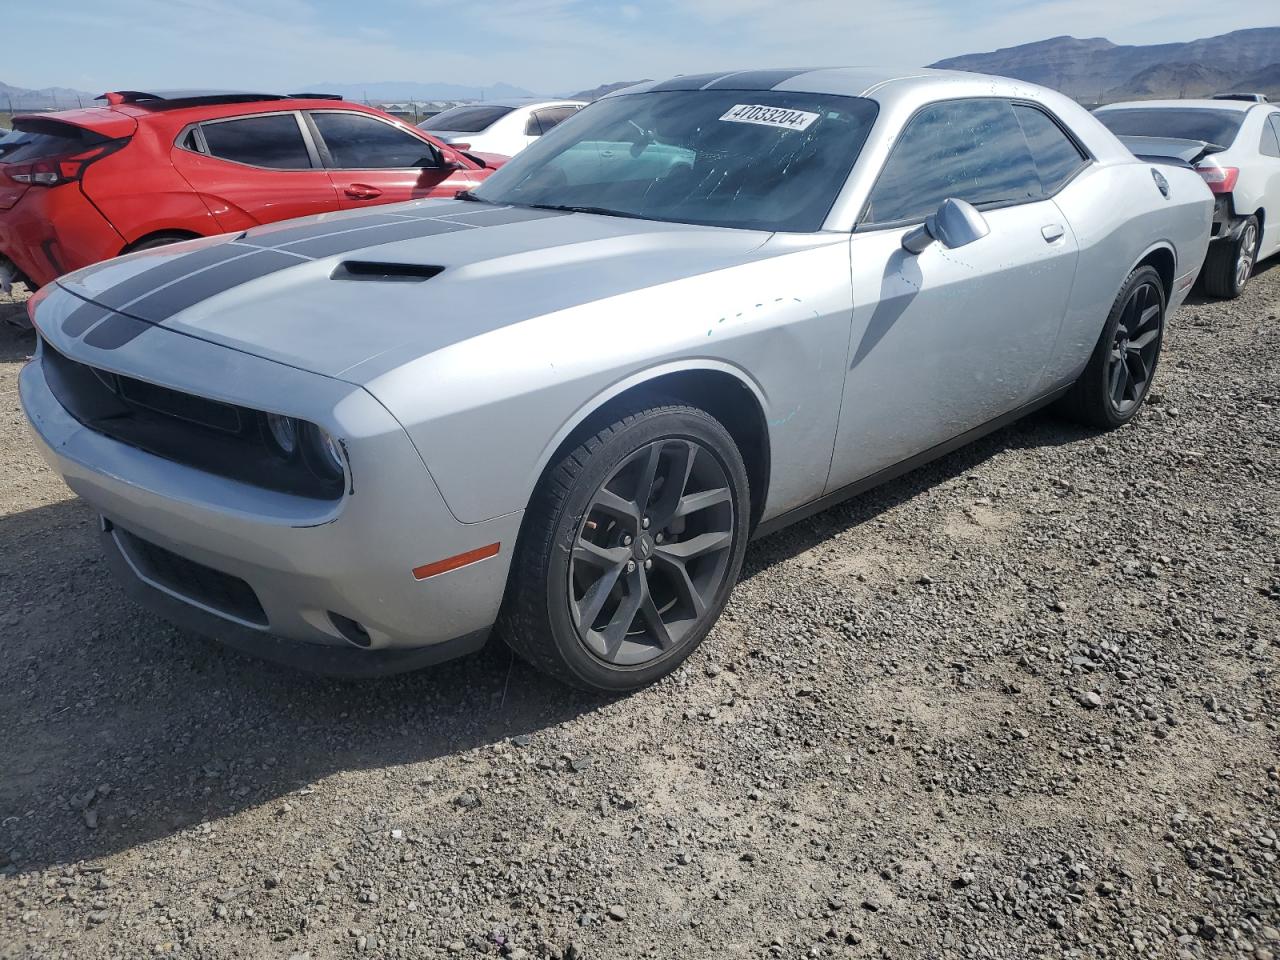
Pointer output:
1270, 145
1179, 123
273, 141
465, 119
357, 142
553, 116
1056, 156
40, 139
970, 150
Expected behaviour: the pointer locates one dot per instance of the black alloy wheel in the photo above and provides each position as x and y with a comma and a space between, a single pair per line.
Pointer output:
630, 548
1135, 347
652, 551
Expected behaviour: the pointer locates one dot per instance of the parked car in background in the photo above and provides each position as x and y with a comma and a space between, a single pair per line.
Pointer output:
1234, 143
149, 169
9, 139
358, 441
1247, 97
503, 127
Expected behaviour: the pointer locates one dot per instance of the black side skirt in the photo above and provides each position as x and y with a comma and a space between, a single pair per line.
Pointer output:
829, 500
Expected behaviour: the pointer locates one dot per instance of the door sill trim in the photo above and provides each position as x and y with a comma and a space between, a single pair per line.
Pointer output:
896, 470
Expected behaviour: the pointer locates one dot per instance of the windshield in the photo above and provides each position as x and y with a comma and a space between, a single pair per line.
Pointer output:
1180, 123
760, 160
465, 119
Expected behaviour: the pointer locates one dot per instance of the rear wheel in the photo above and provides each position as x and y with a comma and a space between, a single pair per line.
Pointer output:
1119, 374
1229, 264
631, 547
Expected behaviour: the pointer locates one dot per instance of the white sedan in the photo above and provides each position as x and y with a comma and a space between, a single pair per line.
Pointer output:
1235, 146
505, 126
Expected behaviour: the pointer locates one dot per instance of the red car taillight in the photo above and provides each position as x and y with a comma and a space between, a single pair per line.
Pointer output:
53, 171
1219, 179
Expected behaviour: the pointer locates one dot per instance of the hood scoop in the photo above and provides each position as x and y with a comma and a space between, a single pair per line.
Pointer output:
384, 272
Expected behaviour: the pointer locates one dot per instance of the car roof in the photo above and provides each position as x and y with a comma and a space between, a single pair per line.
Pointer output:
120, 118
516, 102
842, 81
1240, 106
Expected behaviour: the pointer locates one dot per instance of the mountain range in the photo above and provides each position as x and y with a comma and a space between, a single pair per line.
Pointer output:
1097, 70
1091, 70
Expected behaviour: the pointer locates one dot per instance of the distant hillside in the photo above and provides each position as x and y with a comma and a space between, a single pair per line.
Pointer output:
1089, 69
384, 90
605, 88
1174, 79
17, 99
1266, 80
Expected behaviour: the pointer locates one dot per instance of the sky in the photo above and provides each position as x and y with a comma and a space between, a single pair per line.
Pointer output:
550, 46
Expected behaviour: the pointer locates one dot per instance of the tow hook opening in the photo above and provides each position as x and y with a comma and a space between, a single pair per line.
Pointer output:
351, 630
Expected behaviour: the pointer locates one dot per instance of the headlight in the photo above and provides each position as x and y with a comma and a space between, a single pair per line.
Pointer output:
322, 452
329, 449
284, 433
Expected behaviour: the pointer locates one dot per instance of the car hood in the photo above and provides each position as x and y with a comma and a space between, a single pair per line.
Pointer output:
330, 293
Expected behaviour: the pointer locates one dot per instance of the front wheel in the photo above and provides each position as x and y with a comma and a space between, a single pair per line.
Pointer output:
1229, 264
631, 547
1119, 373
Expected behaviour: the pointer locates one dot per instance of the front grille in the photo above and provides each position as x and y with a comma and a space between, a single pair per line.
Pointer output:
219, 438
193, 581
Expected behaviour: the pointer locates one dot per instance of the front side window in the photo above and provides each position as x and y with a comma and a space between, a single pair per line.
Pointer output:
1056, 156
273, 141
761, 160
357, 142
970, 150
1179, 123
465, 119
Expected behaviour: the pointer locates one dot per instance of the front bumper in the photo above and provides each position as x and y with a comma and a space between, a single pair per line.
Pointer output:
303, 560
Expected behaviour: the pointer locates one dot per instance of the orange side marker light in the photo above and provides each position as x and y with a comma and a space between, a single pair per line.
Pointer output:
453, 563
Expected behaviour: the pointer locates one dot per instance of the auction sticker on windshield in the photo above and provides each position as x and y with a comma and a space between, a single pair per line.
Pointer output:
770, 116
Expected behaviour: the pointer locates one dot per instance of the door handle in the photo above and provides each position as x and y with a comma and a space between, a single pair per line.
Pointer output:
362, 191
1052, 232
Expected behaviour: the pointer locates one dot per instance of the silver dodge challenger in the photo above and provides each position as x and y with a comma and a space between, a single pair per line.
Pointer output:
560, 405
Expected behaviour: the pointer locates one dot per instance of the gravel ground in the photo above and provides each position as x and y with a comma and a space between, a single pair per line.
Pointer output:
1021, 703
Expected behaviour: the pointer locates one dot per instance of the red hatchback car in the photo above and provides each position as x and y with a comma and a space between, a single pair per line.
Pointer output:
153, 168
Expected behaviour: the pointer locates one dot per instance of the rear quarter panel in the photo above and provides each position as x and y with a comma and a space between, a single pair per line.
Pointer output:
1119, 217
141, 193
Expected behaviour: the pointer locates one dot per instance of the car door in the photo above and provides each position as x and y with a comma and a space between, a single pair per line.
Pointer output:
254, 169
1270, 163
372, 161
947, 340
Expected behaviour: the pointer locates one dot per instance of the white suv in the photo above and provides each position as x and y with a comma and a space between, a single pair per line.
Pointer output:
503, 126
1235, 146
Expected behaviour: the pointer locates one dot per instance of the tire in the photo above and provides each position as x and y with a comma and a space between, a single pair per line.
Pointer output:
1118, 377
585, 525
1230, 263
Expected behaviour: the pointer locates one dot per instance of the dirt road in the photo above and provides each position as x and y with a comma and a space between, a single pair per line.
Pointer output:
1020, 703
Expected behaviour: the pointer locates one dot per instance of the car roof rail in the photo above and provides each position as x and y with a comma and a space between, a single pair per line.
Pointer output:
161, 99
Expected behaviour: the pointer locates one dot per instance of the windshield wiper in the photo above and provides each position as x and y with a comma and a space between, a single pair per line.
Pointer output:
468, 195
601, 211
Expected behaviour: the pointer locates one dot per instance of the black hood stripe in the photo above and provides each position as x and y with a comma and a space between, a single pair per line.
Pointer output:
343, 242
168, 271
274, 239
82, 318
165, 302
176, 284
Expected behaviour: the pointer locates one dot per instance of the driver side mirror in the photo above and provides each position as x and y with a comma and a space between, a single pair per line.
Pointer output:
956, 224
